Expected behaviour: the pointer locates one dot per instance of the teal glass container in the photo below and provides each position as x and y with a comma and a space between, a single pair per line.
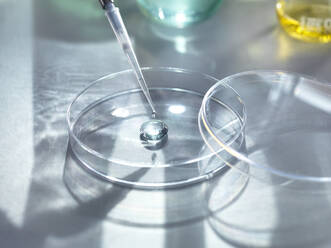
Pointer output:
178, 13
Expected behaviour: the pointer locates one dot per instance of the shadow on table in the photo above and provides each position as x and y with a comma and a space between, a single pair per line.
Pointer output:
265, 216
131, 206
180, 212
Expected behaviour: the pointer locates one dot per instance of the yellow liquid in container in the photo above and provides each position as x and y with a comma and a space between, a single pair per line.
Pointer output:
308, 20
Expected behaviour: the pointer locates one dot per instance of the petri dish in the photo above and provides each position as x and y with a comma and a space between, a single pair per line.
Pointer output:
287, 127
104, 121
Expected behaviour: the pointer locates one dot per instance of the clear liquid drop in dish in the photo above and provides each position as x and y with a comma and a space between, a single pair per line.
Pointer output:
152, 132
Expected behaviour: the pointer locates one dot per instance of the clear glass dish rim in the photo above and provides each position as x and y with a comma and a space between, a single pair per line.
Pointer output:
115, 74
241, 156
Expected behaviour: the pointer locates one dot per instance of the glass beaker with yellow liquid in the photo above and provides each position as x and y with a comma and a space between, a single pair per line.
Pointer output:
308, 20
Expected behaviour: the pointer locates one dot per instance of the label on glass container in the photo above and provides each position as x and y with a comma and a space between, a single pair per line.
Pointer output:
315, 24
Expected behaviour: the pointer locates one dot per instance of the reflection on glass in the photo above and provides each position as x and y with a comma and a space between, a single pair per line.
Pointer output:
178, 13
86, 10
318, 96
177, 109
120, 112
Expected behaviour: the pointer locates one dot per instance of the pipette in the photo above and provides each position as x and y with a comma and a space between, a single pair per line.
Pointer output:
154, 131
114, 17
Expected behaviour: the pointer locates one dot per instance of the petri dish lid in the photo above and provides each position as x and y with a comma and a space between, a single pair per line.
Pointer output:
286, 125
104, 121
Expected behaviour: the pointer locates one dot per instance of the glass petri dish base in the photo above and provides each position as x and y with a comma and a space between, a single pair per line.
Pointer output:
105, 118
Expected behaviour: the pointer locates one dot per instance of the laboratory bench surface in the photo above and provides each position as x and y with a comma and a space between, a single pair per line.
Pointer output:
50, 50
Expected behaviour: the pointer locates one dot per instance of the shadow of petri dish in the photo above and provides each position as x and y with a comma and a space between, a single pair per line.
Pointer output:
272, 216
130, 206
149, 208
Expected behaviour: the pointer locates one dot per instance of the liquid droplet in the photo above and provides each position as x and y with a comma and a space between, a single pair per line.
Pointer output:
153, 130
